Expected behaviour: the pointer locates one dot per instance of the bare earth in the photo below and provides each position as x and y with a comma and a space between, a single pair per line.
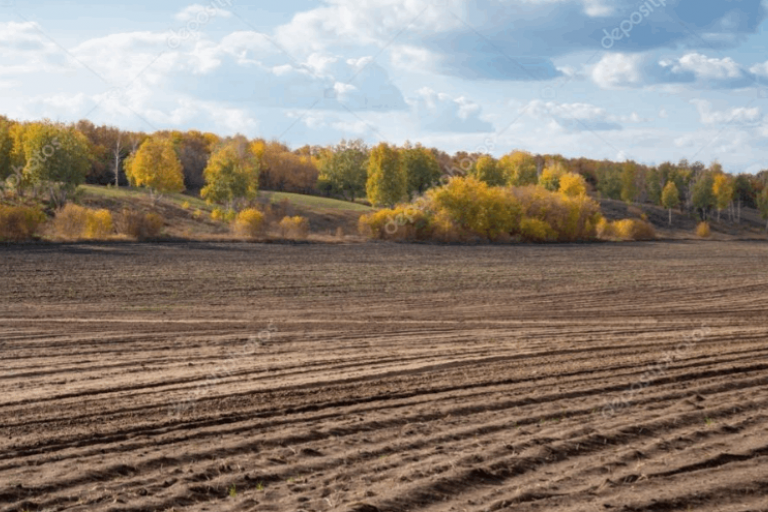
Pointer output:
624, 377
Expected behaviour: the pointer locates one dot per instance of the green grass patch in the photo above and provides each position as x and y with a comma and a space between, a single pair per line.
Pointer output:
315, 202
301, 200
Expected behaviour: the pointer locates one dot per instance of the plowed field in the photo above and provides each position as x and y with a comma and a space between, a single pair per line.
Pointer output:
624, 377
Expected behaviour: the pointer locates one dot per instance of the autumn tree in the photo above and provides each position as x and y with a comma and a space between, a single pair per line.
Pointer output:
519, 168
550, 176
387, 183
194, 149
422, 171
487, 170
284, 170
573, 185
670, 198
629, 179
54, 157
723, 189
232, 173
156, 166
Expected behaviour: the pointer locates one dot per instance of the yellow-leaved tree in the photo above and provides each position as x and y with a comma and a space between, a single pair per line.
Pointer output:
670, 198
387, 183
155, 166
519, 168
550, 176
232, 173
723, 189
573, 185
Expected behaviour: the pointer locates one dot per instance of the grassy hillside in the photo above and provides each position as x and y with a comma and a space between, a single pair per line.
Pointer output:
683, 224
188, 216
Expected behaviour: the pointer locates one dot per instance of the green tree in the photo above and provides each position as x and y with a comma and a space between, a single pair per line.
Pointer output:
653, 186
386, 184
609, 180
156, 166
343, 169
487, 170
232, 173
702, 196
762, 205
421, 168
629, 177
6, 147
670, 198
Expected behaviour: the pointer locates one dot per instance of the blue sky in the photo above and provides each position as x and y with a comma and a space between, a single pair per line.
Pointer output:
652, 81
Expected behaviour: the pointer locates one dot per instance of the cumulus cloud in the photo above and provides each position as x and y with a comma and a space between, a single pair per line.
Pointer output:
24, 48
738, 116
203, 13
618, 70
491, 39
576, 117
440, 112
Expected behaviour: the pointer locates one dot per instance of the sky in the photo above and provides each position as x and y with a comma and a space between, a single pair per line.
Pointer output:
650, 81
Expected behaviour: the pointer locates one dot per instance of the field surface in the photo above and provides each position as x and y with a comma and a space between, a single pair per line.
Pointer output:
377, 377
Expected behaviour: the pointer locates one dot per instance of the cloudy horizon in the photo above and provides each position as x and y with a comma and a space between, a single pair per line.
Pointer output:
651, 81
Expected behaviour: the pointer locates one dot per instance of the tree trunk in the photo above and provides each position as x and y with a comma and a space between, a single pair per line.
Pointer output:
670, 216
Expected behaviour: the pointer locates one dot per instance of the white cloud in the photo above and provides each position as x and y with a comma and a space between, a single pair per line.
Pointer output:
737, 116
440, 112
202, 14
576, 117
617, 70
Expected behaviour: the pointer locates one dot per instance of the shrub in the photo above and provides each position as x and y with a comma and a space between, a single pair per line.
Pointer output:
570, 217
99, 224
703, 230
295, 227
70, 222
535, 230
403, 222
634, 229
185, 205
249, 223
73, 222
140, 226
18, 223
475, 208
606, 230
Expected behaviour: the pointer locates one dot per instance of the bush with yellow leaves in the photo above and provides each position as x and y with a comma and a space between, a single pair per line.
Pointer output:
73, 222
703, 230
140, 226
296, 228
634, 229
18, 223
476, 209
536, 231
249, 223
403, 222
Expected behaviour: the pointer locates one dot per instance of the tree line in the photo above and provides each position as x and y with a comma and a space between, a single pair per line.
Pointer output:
54, 158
